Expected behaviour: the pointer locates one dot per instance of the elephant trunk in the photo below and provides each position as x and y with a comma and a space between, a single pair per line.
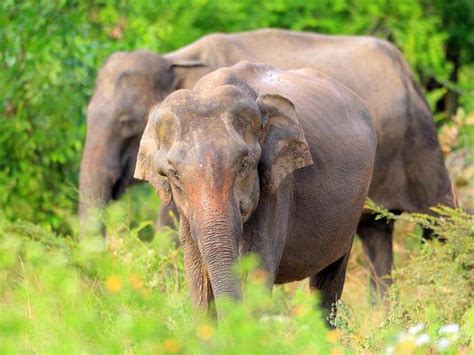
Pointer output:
218, 234
98, 178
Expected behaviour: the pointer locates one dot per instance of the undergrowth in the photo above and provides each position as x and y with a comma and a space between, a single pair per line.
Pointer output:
127, 295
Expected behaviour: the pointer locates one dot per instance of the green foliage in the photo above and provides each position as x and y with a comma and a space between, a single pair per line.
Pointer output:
58, 296
129, 294
433, 287
50, 52
443, 270
61, 296
44, 89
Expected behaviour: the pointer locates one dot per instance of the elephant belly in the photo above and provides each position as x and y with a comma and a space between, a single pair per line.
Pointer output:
309, 254
323, 226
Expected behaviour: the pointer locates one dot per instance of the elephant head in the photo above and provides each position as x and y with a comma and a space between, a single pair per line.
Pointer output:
216, 153
128, 85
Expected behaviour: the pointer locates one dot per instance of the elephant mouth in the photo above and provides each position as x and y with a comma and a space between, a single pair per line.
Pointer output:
123, 181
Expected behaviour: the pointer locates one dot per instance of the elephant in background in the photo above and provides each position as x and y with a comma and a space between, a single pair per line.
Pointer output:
260, 160
409, 171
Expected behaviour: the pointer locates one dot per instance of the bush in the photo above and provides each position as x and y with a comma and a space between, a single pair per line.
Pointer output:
60, 296
50, 52
431, 288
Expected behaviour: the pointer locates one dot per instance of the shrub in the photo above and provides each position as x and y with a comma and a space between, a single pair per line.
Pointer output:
126, 295
50, 52
433, 287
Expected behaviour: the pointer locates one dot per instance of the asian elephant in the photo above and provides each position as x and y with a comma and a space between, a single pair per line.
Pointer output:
409, 174
260, 160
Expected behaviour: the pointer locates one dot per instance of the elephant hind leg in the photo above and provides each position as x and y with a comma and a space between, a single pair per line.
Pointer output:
330, 281
376, 237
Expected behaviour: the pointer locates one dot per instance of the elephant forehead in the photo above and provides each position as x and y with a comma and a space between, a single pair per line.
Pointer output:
212, 115
186, 104
142, 62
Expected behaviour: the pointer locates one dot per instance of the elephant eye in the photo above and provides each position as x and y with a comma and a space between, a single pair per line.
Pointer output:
127, 122
245, 166
173, 175
175, 179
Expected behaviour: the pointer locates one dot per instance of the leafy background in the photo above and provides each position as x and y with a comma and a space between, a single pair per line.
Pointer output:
50, 52
129, 295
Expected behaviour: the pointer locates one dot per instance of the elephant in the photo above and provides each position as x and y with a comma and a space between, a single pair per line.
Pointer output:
410, 174
260, 160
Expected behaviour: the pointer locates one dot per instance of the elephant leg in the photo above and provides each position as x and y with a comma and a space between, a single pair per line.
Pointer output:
167, 216
197, 278
330, 281
428, 236
376, 237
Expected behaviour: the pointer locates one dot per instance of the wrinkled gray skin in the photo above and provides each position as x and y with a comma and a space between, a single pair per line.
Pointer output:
409, 175
236, 156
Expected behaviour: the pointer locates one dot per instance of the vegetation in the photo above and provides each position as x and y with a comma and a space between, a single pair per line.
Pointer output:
60, 296
50, 52
129, 295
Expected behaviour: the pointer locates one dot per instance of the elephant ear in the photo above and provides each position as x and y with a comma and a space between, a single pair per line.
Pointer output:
284, 146
148, 157
189, 63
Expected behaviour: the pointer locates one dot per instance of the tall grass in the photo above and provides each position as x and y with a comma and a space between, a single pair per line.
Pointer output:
129, 295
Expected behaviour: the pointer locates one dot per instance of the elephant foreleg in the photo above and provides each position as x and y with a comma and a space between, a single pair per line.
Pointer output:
167, 216
330, 281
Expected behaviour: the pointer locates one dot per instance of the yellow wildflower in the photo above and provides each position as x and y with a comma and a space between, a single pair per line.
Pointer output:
171, 346
113, 284
205, 332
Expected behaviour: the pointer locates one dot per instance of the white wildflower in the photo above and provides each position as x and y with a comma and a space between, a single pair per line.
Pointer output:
422, 340
443, 344
449, 329
416, 329
390, 350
